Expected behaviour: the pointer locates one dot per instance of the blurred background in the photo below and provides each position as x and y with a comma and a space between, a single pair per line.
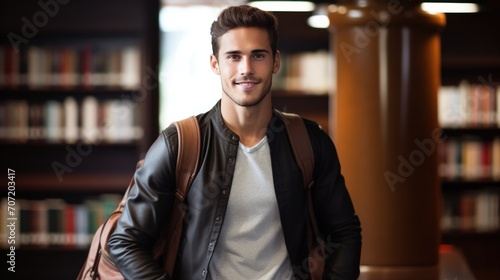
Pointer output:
87, 86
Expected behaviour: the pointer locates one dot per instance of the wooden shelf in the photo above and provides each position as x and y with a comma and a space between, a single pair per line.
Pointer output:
49, 92
472, 235
112, 17
40, 144
456, 185
54, 264
74, 183
488, 132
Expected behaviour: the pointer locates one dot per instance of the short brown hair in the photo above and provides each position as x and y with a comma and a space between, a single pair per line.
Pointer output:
244, 16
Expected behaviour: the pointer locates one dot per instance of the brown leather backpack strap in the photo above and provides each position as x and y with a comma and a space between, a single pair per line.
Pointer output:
304, 155
189, 140
188, 132
301, 145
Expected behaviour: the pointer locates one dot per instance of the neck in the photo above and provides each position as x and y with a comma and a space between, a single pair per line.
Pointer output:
250, 123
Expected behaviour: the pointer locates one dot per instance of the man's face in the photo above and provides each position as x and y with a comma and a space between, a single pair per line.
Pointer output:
246, 65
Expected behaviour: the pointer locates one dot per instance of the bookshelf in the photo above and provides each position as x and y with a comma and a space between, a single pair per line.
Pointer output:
78, 109
469, 113
469, 58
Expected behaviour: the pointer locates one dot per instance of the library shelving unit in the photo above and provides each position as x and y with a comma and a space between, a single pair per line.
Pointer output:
470, 63
470, 158
470, 172
78, 109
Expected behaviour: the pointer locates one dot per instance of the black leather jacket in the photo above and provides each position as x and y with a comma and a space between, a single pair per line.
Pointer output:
152, 195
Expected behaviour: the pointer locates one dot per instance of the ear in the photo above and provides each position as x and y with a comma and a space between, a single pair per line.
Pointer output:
214, 64
277, 62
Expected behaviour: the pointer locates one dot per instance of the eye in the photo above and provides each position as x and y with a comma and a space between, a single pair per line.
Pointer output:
258, 56
233, 57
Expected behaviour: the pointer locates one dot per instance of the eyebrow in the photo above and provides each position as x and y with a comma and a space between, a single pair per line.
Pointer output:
253, 51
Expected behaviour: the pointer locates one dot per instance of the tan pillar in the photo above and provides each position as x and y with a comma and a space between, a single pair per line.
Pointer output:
386, 132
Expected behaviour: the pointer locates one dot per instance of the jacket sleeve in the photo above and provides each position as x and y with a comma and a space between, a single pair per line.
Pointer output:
335, 214
146, 210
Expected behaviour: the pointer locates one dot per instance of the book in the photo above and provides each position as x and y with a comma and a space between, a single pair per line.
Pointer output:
11, 62
39, 223
467, 212
2, 67
498, 106
83, 235
35, 123
71, 112
468, 105
70, 231
119, 121
470, 159
495, 159
90, 120
53, 121
70, 76
130, 68
55, 221
70, 66
25, 225
10, 233
471, 211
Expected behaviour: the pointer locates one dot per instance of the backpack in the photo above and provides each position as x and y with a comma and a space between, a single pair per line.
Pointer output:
99, 264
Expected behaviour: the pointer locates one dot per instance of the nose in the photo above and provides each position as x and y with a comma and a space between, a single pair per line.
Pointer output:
246, 67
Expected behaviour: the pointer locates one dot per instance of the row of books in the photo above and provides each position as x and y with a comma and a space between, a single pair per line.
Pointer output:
469, 105
309, 72
67, 67
69, 121
55, 222
470, 159
472, 211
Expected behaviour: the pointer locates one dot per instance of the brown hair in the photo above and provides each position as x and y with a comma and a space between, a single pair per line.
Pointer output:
244, 16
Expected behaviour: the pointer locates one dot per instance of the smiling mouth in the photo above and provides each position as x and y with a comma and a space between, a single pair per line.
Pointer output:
246, 83
252, 82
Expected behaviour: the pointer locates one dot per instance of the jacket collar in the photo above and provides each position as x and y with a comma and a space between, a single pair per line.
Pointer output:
274, 126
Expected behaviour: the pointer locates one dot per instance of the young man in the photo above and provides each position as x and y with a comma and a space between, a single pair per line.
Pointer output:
247, 215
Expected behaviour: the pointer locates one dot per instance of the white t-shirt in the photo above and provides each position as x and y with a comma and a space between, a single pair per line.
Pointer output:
251, 244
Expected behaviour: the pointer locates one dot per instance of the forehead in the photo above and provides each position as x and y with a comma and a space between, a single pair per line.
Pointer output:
244, 38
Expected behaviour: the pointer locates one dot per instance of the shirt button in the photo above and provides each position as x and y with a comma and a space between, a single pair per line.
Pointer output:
234, 137
204, 273
224, 191
231, 160
218, 219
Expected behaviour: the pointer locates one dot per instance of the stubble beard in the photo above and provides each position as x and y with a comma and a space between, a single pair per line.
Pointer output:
249, 104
